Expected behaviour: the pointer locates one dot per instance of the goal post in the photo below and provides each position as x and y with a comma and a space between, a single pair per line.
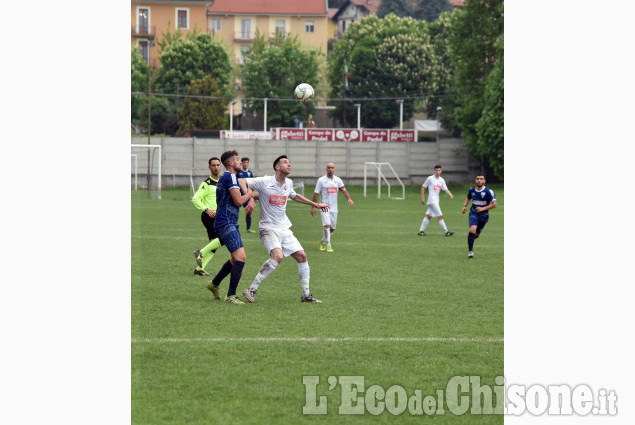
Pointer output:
139, 146
380, 175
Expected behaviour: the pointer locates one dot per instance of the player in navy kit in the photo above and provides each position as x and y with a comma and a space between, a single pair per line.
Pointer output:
483, 200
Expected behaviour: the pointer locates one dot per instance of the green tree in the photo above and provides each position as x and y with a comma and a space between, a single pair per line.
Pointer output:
272, 70
490, 127
427, 10
138, 83
201, 112
390, 57
474, 30
189, 59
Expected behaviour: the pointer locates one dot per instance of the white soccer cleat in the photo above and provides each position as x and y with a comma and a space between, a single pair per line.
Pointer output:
470, 254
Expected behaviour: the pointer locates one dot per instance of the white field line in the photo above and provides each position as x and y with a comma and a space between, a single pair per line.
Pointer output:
301, 339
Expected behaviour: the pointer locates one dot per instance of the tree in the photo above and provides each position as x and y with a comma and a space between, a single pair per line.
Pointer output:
490, 127
138, 83
200, 112
272, 70
390, 57
474, 30
189, 59
427, 10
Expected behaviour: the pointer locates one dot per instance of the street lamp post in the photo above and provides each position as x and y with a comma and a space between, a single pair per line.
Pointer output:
400, 102
150, 44
359, 122
438, 124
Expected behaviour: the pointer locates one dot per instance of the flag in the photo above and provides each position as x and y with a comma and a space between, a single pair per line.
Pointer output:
345, 76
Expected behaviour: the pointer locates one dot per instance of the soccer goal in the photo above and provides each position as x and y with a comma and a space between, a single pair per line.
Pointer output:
150, 165
380, 176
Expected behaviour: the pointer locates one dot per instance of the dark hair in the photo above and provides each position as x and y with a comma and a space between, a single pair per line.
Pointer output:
480, 174
226, 155
243, 159
438, 166
211, 159
278, 160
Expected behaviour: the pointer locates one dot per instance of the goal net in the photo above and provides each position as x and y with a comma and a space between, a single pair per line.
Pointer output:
145, 168
380, 167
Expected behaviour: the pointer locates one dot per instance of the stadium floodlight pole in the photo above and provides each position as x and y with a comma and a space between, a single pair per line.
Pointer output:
231, 119
358, 106
400, 102
438, 124
266, 98
150, 44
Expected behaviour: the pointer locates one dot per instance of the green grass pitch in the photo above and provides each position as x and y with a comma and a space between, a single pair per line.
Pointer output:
196, 360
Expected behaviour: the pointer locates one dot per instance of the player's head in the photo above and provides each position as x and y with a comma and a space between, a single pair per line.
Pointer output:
214, 166
245, 162
231, 161
282, 164
330, 169
480, 180
438, 170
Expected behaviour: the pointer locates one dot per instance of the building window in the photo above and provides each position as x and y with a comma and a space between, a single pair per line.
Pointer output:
309, 26
215, 24
244, 52
280, 27
143, 44
143, 20
182, 19
245, 28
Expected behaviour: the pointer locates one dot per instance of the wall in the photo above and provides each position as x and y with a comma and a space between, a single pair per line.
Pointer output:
412, 162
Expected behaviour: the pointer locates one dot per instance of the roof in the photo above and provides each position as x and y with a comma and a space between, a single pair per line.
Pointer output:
456, 3
332, 12
268, 7
371, 5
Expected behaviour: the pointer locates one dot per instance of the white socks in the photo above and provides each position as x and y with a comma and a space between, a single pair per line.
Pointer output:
304, 272
443, 226
266, 269
327, 236
424, 224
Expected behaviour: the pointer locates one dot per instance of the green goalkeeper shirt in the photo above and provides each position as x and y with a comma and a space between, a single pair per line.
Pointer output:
205, 196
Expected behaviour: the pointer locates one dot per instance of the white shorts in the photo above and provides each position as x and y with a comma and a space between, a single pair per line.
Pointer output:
434, 210
282, 239
329, 219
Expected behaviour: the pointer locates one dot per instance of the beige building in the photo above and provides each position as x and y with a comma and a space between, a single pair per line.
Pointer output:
149, 19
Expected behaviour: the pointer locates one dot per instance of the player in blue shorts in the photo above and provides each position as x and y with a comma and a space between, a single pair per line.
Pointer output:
228, 201
483, 200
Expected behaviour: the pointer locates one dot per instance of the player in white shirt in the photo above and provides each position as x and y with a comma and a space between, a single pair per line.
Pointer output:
328, 187
435, 184
275, 227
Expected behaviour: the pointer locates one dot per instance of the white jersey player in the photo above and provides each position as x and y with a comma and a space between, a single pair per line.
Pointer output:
435, 184
275, 227
327, 187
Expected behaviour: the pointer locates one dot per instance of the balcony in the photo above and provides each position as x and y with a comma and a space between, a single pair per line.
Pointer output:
143, 31
244, 36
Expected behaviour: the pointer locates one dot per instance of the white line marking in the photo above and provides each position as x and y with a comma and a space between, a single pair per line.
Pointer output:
301, 339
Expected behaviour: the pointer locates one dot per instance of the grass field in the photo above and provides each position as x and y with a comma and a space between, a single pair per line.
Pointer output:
398, 309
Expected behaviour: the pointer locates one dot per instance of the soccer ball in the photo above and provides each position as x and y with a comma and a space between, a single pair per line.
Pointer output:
304, 93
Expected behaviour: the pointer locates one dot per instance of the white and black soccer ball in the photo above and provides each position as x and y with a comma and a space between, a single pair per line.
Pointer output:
304, 93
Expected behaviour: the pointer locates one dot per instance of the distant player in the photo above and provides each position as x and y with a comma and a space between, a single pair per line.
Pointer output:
327, 187
275, 227
246, 173
435, 184
483, 200
229, 199
205, 200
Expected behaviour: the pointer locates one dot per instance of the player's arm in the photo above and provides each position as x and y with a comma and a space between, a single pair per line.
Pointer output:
301, 199
449, 193
315, 197
467, 201
238, 198
423, 197
347, 195
197, 200
487, 207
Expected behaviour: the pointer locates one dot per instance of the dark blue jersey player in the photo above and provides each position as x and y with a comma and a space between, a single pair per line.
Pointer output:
483, 200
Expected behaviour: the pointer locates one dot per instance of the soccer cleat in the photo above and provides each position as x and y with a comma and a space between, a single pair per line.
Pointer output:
233, 300
422, 233
199, 257
250, 294
470, 254
214, 290
449, 233
201, 272
329, 249
322, 246
251, 231
310, 299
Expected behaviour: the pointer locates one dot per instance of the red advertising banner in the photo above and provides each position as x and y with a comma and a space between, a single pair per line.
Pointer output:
292, 134
374, 135
347, 135
319, 134
402, 135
